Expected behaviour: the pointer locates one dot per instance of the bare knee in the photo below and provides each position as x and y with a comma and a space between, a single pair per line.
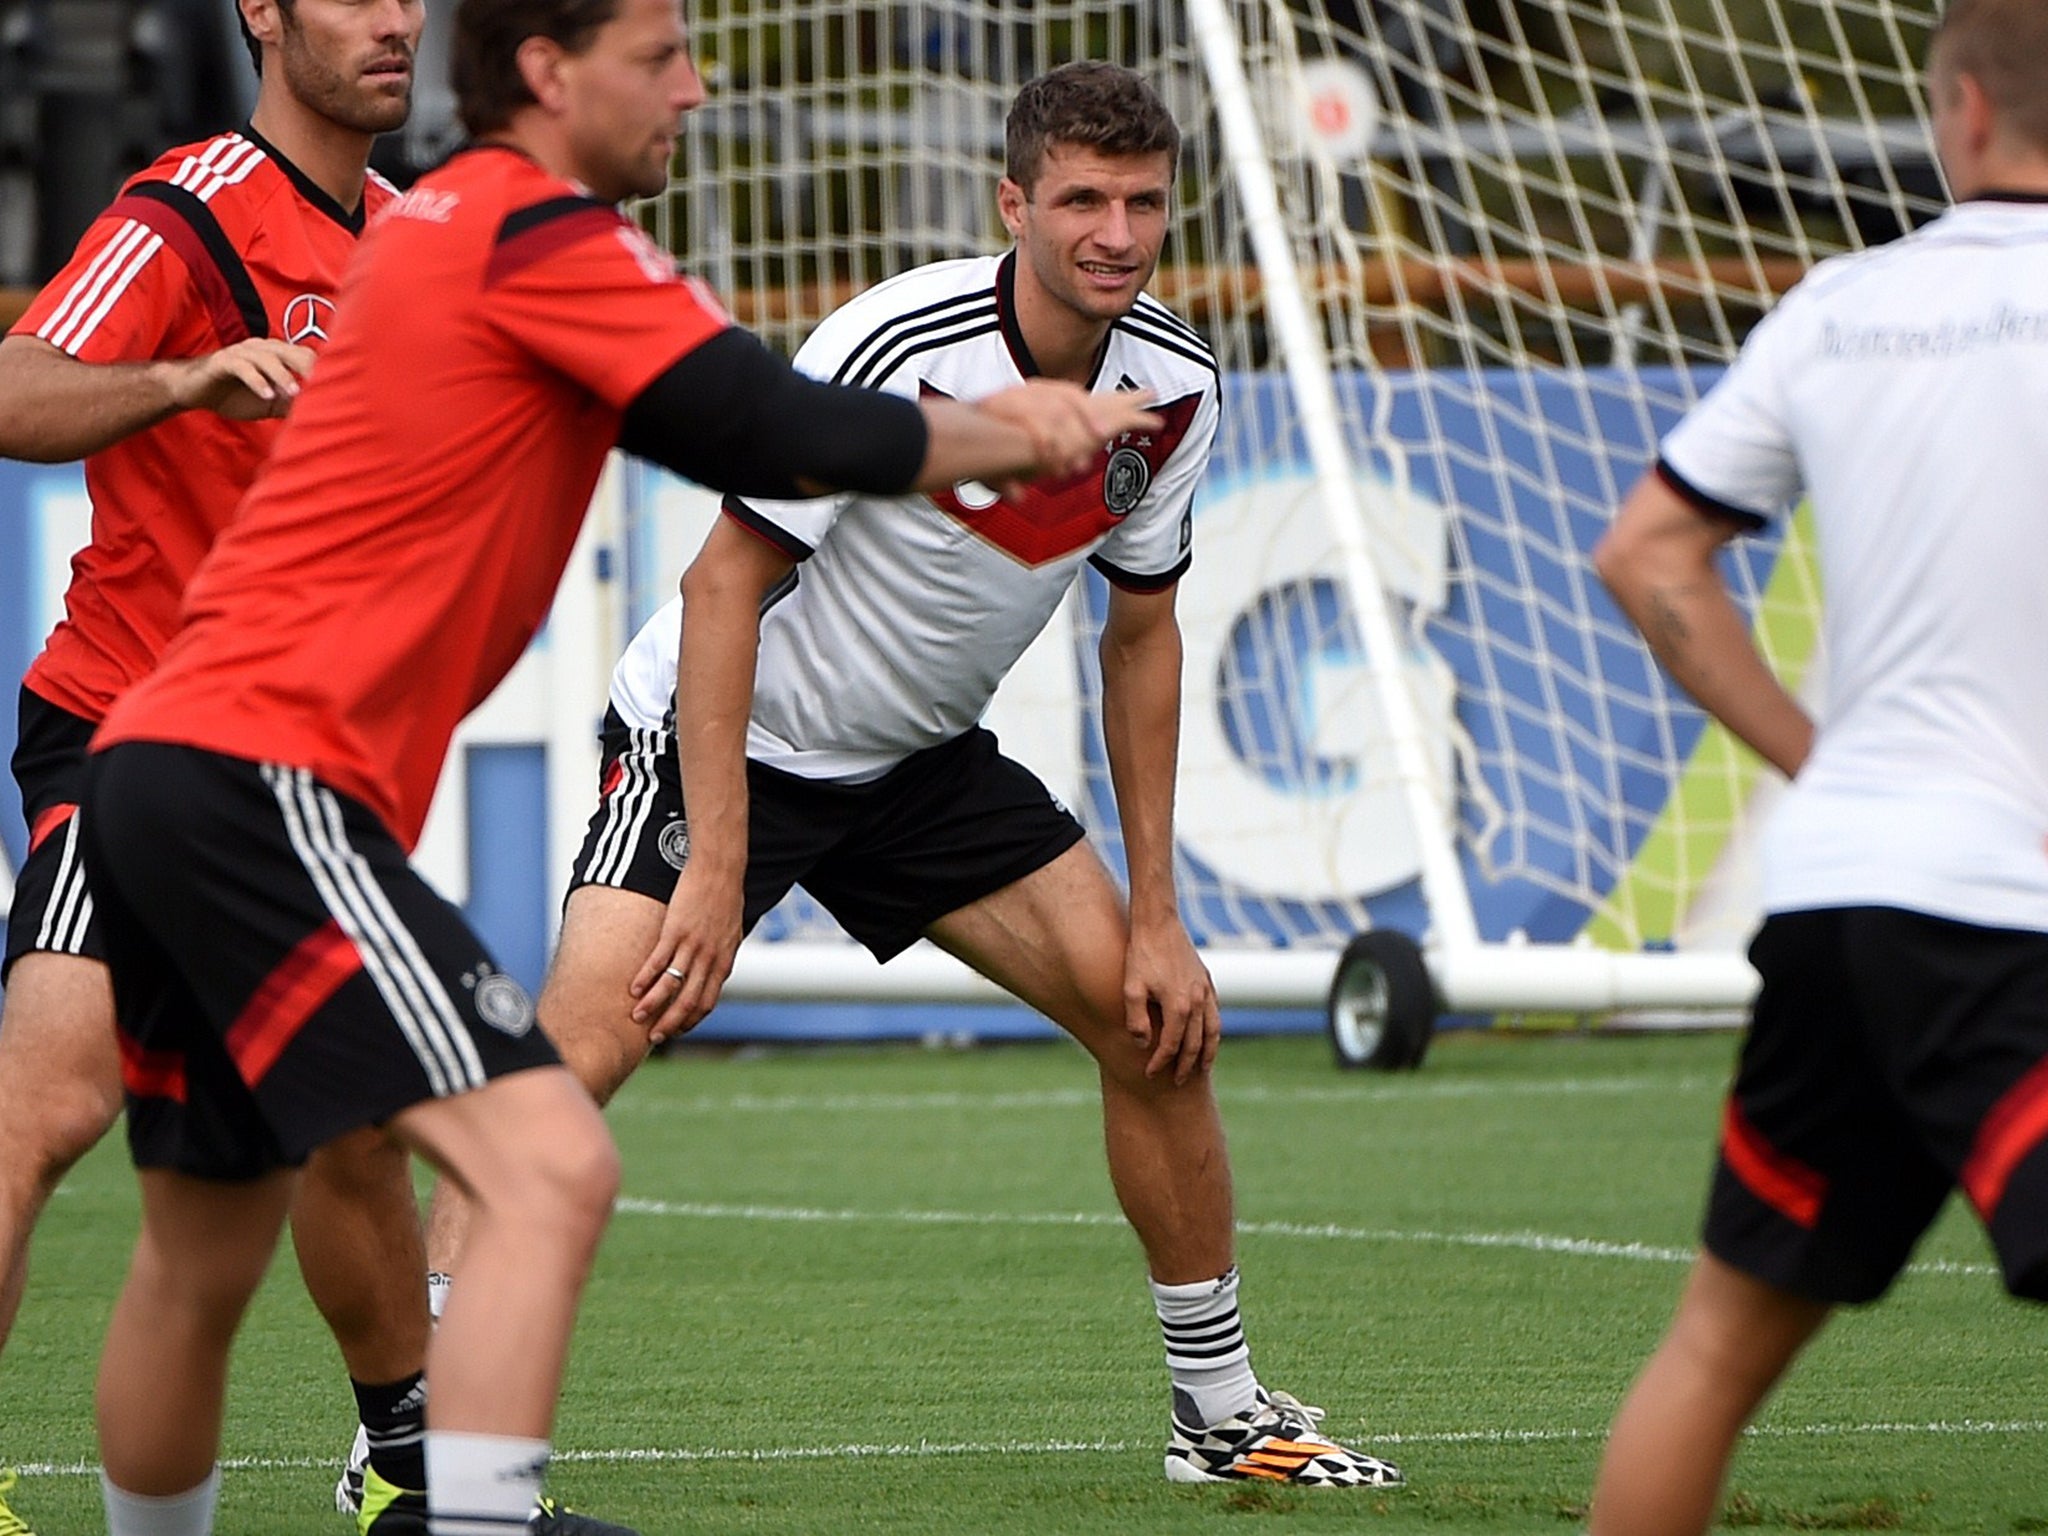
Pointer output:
1737, 1332
60, 1073
57, 1125
569, 1183
560, 1182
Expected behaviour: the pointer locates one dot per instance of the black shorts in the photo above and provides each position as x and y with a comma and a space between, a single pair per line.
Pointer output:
280, 973
53, 908
943, 828
1891, 1056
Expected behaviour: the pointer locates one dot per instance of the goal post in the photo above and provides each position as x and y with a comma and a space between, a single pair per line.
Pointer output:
1462, 263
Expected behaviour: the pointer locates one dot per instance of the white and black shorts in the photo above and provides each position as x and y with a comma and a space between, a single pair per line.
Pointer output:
887, 858
281, 975
53, 907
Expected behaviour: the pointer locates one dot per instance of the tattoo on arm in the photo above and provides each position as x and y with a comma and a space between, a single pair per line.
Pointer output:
1667, 617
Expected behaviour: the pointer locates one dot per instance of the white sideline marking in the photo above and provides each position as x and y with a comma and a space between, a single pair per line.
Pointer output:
1530, 1242
908, 1450
1089, 1098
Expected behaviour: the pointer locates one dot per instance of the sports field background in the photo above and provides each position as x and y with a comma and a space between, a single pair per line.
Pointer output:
885, 1289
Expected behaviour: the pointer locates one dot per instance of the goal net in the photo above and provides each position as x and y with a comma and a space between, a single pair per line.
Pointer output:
1462, 262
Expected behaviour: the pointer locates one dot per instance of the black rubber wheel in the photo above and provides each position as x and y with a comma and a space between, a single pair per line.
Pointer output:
1382, 1008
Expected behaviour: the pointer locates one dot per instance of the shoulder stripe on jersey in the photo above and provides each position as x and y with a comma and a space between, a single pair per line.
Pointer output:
984, 323
226, 161
103, 281
889, 328
769, 532
1131, 581
540, 229
1169, 343
189, 228
1149, 308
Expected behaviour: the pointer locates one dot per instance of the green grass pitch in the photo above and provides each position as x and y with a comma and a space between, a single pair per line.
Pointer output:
886, 1290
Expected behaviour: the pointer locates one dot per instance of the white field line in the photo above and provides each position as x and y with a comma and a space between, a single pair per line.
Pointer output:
922, 1449
1528, 1242
1089, 1098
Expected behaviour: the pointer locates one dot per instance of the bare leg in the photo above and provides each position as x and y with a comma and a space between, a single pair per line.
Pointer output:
60, 1091
1056, 940
1671, 1443
356, 1227
163, 1372
532, 1153
586, 1012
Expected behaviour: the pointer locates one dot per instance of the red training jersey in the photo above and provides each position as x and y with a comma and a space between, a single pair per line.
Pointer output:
405, 540
216, 242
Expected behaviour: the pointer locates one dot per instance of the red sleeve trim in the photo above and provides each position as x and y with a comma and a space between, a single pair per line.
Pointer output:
1785, 1184
2017, 1124
776, 538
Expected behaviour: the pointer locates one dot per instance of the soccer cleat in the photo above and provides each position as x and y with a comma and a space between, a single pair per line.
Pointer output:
11, 1524
552, 1519
389, 1510
348, 1493
1276, 1442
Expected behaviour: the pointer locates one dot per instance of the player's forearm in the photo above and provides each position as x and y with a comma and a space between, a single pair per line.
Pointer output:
1694, 628
1141, 731
714, 696
970, 444
54, 408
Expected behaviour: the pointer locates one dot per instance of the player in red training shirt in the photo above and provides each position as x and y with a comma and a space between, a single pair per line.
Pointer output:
281, 974
163, 354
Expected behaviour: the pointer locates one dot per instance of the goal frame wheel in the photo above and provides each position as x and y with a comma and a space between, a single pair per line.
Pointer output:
1382, 1006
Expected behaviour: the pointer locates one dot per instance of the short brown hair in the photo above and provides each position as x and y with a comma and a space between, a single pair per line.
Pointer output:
484, 61
1103, 107
2003, 46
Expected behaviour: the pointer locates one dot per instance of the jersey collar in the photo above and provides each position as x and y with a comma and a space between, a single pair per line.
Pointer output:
1013, 334
2007, 195
309, 189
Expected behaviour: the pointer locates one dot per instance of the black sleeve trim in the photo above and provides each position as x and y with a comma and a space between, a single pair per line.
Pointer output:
226, 260
1709, 504
762, 528
1131, 581
733, 416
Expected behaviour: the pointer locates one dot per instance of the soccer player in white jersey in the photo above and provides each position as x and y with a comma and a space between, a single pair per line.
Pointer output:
1899, 1047
836, 655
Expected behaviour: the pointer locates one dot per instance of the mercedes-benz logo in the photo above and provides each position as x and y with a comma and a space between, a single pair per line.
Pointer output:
306, 319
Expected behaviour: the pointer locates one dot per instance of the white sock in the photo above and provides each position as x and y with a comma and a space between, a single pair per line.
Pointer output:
1206, 1354
178, 1514
482, 1485
437, 1293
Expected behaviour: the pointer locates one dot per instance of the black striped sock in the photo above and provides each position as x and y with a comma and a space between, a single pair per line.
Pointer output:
395, 1416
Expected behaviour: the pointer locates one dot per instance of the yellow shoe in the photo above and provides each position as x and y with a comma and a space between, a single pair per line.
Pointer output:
387, 1509
11, 1524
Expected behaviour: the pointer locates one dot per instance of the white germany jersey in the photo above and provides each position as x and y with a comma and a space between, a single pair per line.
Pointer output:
1905, 390
905, 612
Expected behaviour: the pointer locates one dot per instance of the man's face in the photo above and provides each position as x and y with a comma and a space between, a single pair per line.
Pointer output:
1091, 228
626, 96
351, 60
